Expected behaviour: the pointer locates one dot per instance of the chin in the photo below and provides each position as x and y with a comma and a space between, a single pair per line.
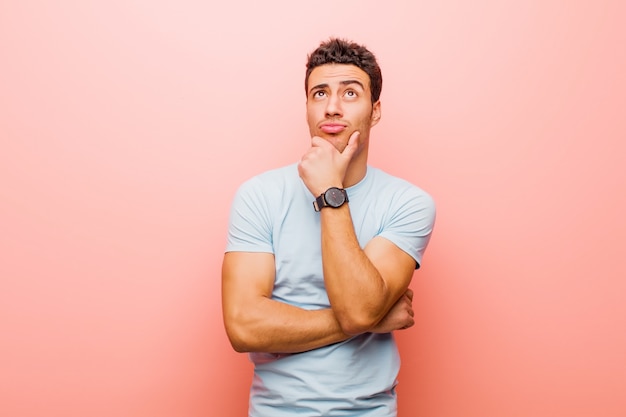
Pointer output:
339, 142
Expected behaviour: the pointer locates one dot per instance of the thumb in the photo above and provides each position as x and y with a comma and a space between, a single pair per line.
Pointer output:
353, 145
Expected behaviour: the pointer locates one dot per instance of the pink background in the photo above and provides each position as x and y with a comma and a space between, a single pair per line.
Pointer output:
126, 126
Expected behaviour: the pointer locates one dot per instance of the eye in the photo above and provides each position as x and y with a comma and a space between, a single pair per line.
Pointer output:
319, 94
350, 93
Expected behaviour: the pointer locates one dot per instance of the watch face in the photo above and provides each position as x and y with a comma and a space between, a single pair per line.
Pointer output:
334, 197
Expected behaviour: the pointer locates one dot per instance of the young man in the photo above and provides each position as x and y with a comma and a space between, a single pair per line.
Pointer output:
320, 255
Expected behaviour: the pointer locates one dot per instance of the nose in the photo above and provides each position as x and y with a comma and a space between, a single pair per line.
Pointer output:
333, 106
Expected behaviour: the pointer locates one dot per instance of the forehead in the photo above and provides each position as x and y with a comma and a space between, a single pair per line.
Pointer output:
335, 74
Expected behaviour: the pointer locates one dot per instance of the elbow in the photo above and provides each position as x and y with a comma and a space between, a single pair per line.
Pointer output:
238, 345
357, 319
238, 340
353, 324
239, 348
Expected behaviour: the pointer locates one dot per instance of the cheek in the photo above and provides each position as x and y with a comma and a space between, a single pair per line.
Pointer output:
366, 119
313, 114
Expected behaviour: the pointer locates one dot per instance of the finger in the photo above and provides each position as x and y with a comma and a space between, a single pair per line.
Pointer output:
317, 141
353, 144
409, 293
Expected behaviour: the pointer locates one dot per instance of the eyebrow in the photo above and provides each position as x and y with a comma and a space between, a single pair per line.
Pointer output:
344, 83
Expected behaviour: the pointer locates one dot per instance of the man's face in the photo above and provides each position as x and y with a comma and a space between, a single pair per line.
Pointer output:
339, 103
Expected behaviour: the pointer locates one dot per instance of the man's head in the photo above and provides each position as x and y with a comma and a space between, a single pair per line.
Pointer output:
339, 51
343, 83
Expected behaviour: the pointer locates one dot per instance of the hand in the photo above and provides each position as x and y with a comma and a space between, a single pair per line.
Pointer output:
400, 316
323, 166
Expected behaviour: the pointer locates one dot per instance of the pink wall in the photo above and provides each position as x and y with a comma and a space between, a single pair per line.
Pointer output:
125, 127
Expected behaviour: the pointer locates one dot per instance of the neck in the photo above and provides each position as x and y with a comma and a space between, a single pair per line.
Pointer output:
356, 170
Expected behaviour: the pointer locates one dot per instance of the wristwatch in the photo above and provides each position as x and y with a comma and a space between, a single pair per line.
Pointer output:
333, 197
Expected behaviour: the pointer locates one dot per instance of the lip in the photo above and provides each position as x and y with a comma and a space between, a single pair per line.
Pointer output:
332, 128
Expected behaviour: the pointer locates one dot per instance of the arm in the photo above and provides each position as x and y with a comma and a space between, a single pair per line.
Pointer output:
253, 320
362, 284
256, 323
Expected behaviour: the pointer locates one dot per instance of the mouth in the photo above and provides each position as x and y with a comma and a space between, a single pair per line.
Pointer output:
332, 128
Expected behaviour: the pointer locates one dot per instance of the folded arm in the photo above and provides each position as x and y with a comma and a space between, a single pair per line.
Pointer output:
362, 284
256, 323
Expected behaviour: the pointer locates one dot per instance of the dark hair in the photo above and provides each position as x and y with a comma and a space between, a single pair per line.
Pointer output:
340, 51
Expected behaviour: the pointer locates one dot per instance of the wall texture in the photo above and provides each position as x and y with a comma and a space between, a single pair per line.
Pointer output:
126, 126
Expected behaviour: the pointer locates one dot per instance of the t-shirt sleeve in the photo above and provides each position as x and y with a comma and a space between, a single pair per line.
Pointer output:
249, 225
411, 223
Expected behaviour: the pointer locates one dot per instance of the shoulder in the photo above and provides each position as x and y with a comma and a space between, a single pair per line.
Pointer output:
274, 177
276, 180
398, 189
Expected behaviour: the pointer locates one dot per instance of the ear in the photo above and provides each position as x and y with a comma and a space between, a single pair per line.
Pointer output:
376, 113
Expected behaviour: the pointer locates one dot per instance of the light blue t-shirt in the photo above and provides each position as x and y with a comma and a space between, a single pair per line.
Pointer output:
273, 212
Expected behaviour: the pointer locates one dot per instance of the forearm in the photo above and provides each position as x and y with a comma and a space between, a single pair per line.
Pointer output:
271, 326
357, 292
255, 322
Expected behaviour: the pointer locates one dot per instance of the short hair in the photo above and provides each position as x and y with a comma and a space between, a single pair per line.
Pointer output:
341, 51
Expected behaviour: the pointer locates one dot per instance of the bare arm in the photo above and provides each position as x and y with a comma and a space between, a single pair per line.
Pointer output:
256, 323
362, 284
367, 288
